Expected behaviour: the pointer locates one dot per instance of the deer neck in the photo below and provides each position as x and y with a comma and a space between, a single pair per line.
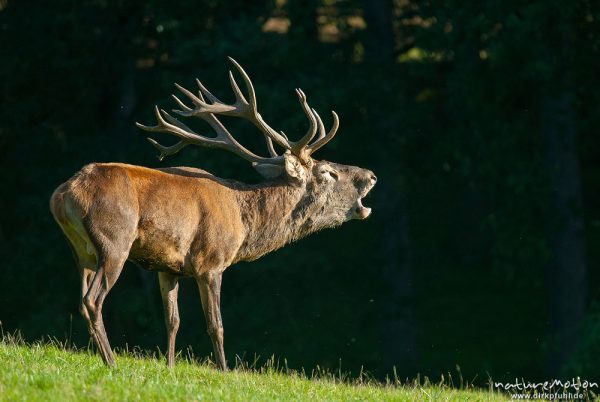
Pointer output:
274, 215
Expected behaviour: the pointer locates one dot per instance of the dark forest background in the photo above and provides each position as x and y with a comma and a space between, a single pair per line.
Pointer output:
479, 118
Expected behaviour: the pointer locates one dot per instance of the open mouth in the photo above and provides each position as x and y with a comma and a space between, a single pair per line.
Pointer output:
360, 211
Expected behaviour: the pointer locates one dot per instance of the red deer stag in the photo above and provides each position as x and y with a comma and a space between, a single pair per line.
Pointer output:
185, 222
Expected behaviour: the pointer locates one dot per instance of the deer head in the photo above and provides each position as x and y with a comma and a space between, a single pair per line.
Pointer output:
332, 193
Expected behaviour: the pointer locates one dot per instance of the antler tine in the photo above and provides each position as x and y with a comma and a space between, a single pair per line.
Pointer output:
173, 126
197, 101
167, 151
224, 140
207, 106
324, 140
182, 105
247, 81
236, 90
163, 126
172, 120
320, 123
241, 108
299, 146
203, 107
206, 92
249, 108
270, 147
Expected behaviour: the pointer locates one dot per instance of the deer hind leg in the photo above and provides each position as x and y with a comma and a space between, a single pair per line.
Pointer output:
109, 269
169, 287
209, 285
87, 269
86, 261
112, 252
87, 275
85, 255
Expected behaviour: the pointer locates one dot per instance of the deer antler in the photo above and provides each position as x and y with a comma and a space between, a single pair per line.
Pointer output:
243, 108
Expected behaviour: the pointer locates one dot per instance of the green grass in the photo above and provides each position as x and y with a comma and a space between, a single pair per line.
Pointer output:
49, 372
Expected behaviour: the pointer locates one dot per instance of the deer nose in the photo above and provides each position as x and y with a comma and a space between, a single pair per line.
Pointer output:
373, 178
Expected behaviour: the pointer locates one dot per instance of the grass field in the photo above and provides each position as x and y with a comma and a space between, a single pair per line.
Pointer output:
49, 372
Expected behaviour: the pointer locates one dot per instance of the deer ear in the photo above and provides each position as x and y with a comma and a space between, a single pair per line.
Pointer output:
293, 167
268, 170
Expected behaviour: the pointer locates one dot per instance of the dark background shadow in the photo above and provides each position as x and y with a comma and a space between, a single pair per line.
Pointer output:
480, 121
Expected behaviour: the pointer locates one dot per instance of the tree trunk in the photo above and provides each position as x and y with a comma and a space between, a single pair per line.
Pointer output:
399, 335
566, 277
380, 33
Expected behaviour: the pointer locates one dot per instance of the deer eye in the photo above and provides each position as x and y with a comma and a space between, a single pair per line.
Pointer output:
330, 173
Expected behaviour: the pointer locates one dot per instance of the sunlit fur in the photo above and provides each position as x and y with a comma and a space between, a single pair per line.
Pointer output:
187, 222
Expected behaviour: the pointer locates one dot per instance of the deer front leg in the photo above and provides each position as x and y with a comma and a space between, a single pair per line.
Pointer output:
169, 288
210, 294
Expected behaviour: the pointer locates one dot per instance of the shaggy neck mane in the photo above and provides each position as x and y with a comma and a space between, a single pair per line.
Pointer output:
274, 216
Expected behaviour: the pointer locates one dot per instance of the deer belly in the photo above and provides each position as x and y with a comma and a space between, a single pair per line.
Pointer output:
157, 250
